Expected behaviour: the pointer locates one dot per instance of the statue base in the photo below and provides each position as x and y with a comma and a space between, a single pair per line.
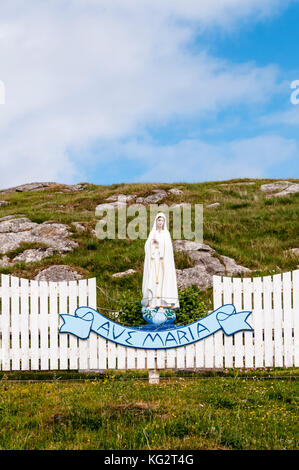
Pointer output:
158, 315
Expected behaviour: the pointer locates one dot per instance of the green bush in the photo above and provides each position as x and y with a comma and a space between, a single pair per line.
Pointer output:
192, 307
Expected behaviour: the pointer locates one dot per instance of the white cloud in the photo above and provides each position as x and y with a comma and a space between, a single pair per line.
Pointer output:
288, 117
195, 160
81, 70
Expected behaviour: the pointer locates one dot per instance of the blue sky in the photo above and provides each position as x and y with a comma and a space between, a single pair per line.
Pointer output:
129, 91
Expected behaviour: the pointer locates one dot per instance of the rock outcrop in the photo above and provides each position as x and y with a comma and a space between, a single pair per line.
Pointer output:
58, 273
206, 265
280, 188
40, 186
14, 231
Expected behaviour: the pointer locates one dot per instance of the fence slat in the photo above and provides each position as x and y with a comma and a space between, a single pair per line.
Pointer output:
288, 320
228, 340
248, 340
73, 341
296, 315
15, 323
63, 338
53, 325
93, 345
258, 322
268, 317
277, 326
30, 321
84, 346
44, 324
24, 324
218, 336
238, 337
5, 323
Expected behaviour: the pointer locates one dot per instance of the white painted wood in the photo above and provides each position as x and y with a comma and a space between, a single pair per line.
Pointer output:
257, 322
102, 353
228, 340
73, 340
141, 359
219, 335
277, 317
288, 320
121, 356
92, 302
112, 355
151, 358
190, 356
53, 325
268, 320
5, 323
30, 322
34, 325
15, 324
296, 315
83, 346
63, 339
131, 355
238, 337
24, 324
180, 357
248, 335
170, 358
199, 355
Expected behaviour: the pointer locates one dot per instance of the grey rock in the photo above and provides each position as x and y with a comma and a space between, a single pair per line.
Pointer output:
28, 187
270, 187
79, 226
179, 205
58, 273
214, 204
44, 185
293, 251
197, 275
75, 187
158, 195
121, 197
4, 203
292, 189
124, 273
16, 225
34, 255
206, 265
15, 231
189, 245
7, 217
175, 191
5, 262
241, 183
232, 267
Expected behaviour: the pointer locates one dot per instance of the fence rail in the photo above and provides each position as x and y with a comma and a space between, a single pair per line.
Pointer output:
30, 322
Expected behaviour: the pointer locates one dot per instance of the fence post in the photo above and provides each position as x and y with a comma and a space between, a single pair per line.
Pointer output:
153, 376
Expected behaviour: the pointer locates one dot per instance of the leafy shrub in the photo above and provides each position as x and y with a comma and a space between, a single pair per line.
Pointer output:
192, 307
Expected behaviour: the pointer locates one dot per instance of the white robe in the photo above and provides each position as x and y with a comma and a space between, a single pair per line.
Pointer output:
159, 285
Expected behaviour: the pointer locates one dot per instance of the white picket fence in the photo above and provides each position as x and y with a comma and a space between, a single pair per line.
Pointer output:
30, 322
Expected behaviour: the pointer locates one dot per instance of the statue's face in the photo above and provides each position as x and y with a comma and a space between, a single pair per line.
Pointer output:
160, 222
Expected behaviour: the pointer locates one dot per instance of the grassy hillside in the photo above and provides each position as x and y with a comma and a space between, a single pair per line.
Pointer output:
254, 230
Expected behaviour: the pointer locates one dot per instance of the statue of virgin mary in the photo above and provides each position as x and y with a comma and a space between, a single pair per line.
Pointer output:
159, 285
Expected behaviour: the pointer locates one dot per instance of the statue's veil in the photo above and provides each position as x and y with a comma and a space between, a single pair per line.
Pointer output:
169, 292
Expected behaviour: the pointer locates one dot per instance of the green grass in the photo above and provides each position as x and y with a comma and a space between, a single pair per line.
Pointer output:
237, 410
247, 226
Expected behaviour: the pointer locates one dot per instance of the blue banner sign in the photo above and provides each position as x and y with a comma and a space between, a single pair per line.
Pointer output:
87, 319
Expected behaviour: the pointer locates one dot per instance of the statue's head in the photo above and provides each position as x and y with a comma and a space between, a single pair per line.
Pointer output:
160, 222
